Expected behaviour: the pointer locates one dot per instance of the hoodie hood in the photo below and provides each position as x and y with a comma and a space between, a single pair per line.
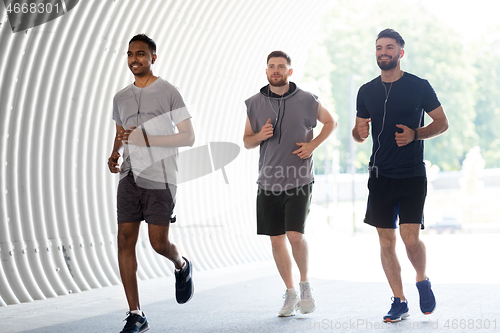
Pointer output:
266, 91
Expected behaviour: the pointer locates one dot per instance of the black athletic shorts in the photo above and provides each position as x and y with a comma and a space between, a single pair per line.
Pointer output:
135, 203
279, 212
390, 198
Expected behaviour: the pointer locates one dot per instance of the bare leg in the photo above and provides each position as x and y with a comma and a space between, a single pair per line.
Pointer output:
300, 252
282, 259
415, 248
158, 236
390, 261
127, 239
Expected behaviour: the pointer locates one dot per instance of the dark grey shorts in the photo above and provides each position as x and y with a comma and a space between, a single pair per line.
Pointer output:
285, 211
135, 204
390, 198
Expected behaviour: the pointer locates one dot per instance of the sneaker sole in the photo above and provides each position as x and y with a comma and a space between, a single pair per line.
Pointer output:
306, 311
292, 313
403, 316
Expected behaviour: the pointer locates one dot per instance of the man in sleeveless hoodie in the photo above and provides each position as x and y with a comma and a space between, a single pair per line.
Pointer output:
280, 120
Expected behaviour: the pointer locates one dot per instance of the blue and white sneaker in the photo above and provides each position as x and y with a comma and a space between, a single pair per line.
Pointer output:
184, 287
399, 310
135, 323
427, 299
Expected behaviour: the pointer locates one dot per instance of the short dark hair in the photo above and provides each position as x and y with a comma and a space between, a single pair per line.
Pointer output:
391, 33
146, 39
280, 54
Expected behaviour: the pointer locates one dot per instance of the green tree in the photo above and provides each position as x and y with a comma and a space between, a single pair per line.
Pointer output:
433, 51
487, 96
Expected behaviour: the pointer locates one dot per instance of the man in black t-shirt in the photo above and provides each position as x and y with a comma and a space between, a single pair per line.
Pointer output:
395, 104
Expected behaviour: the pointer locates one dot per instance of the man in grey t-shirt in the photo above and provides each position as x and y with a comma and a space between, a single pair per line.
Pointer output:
281, 118
146, 115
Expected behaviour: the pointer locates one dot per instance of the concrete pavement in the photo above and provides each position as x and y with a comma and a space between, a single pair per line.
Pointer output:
348, 284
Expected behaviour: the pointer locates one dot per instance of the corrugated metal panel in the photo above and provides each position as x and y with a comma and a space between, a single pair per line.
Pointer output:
57, 198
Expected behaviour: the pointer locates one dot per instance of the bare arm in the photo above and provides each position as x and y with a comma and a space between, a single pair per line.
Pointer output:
251, 139
329, 125
115, 155
184, 138
436, 127
361, 129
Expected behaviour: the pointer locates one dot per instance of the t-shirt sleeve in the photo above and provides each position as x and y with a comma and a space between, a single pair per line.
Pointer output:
429, 98
178, 107
116, 112
361, 110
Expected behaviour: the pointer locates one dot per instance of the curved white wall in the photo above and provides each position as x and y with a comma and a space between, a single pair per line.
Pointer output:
57, 197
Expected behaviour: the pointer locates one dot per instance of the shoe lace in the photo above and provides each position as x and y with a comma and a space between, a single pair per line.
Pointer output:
393, 304
130, 319
289, 298
179, 278
305, 291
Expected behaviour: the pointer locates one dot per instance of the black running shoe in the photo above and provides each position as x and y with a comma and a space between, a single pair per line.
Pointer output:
184, 287
135, 323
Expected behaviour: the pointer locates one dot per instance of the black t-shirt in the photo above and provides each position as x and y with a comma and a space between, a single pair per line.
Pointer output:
408, 98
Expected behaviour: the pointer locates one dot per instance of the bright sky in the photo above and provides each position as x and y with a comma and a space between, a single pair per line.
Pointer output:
469, 17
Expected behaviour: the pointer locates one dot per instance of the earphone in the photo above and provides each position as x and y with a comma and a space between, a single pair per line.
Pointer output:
383, 117
276, 120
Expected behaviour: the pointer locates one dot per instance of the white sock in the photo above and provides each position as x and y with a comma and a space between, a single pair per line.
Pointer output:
180, 269
292, 291
137, 312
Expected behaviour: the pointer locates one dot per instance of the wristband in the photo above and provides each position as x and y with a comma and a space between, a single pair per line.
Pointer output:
416, 135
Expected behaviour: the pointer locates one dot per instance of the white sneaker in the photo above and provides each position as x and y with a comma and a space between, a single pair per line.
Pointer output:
291, 303
307, 303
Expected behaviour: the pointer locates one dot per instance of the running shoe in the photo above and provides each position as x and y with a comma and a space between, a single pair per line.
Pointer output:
427, 299
135, 323
399, 310
291, 303
184, 287
307, 303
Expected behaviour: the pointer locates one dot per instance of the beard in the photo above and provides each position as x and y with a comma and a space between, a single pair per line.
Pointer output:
277, 83
388, 66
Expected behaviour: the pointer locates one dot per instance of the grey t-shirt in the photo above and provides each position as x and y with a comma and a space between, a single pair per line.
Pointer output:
293, 117
161, 108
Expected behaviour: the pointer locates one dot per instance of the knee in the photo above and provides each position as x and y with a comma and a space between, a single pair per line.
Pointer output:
411, 240
161, 247
278, 241
387, 243
126, 241
295, 238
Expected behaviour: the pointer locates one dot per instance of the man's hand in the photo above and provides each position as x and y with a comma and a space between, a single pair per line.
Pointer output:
364, 129
306, 149
133, 136
404, 138
113, 162
267, 131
